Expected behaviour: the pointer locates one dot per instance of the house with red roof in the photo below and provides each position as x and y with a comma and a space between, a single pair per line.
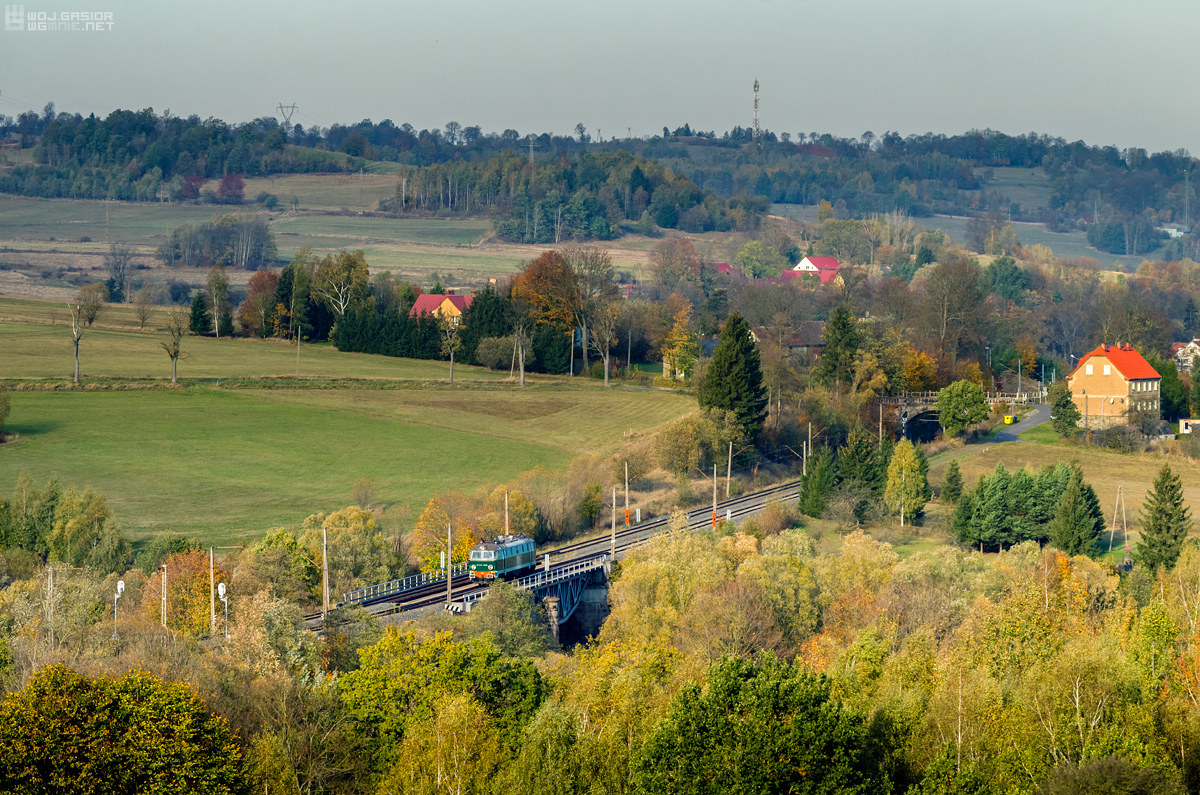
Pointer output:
1112, 381
824, 268
449, 305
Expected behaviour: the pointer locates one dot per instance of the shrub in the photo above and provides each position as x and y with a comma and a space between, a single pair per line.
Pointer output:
495, 353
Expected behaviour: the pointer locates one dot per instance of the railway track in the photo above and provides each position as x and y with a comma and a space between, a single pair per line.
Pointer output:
434, 593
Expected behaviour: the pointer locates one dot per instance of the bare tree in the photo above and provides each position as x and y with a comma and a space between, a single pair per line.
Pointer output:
177, 325
118, 262
143, 304
605, 322
594, 284
88, 304
520, 316
448, 329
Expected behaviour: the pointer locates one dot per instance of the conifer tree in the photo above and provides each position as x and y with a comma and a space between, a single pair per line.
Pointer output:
842, 339
923, 466
883, 459
733, 381
1165, 521
1079, 520
200, 322
1066, 413
816, 484
856, 459
952, 488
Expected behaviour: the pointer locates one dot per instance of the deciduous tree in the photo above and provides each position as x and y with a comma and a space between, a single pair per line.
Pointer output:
173, 345
65, 733
961, 405
88, 304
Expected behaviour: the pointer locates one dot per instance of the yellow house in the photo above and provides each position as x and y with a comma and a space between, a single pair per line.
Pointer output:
1111, 381
448, 305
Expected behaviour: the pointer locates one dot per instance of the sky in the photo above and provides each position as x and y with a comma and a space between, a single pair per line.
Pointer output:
1106, 72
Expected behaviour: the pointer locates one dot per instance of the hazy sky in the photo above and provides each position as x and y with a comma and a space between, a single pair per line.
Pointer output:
1107, 72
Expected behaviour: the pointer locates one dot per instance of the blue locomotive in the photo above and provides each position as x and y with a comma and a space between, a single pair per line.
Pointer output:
502, 557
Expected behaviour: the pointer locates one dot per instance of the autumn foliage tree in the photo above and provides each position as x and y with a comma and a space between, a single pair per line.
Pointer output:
188, 606
66, 733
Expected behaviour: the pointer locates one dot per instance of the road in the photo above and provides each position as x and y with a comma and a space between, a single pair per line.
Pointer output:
1010, 433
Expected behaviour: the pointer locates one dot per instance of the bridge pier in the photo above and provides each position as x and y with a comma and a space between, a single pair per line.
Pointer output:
551, 603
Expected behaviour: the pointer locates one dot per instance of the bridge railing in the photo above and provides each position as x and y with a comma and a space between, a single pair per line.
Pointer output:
929, 398
542, 579
399, 586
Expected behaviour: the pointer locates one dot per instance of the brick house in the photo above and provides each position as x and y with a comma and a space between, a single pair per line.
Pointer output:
1111, 381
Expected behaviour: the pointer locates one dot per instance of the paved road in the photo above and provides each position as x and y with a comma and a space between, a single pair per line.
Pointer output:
1010, 433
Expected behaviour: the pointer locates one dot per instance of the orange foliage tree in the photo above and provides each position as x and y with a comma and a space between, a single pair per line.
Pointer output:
187, 592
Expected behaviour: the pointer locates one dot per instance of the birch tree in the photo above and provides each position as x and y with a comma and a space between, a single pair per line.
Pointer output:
89, 302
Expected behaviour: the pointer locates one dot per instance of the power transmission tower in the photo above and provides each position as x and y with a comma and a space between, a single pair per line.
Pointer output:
532, 146
757, 131
286, 112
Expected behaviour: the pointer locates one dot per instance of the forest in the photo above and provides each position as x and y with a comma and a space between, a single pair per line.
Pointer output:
1121, 197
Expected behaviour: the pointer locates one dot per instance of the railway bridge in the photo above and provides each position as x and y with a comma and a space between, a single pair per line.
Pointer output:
570, 577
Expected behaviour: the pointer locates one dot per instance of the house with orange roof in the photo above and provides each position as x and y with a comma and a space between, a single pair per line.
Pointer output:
1112, 381
449, 306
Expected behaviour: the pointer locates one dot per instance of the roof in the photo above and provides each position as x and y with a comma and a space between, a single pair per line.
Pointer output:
806, 335
820, 263
1128, 362
1178, 346
428, 304
827, 276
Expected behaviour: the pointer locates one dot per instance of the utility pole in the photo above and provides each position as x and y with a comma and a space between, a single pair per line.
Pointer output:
324, 574
449, 567
612, 542
729, 470
212, 599
506, 530
881, 423
164, 595
1018, 379
714, 496
627, 494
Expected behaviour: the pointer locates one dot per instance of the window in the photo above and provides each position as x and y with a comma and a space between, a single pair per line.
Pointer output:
1108, 369
1088, 370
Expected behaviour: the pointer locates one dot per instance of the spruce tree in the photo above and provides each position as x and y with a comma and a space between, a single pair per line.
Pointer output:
883, 458
952, 487
842, 339
1062, 406
817, 483
923, 467
200, 322
1165, 521
1079, 520
856, 459
733, 380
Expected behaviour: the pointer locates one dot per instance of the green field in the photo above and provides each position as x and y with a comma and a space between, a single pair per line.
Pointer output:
235, 451
223, 465
416, 230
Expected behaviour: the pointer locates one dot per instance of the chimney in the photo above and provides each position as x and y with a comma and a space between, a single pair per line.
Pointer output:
449, 291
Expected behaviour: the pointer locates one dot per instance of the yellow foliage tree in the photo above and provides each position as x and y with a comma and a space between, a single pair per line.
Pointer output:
187, 592
920, 371
522, 514
429, 536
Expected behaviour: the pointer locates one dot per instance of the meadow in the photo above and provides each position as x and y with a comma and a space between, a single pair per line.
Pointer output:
1104, 469
241, 445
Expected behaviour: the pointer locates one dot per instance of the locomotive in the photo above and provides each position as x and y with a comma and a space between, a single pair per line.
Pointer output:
502, 557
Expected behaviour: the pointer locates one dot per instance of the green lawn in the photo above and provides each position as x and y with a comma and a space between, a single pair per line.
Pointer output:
29, 351
1041, 434
228, 456
224, 466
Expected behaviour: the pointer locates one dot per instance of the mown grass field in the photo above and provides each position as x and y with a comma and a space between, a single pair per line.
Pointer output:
234, 451
223, 465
